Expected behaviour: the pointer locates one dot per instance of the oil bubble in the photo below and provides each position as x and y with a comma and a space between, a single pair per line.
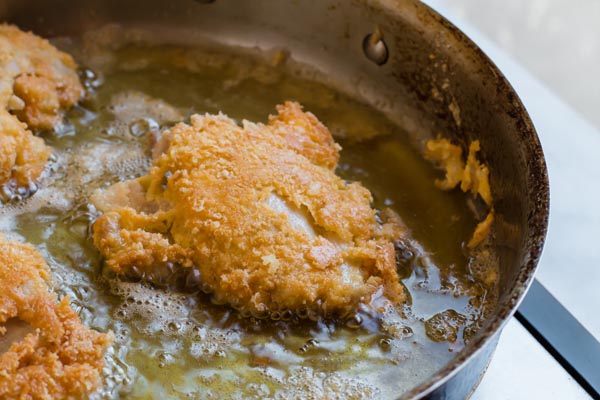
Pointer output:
142, 126
354, 322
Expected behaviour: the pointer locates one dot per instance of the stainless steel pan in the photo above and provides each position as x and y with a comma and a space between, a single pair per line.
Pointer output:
395, 55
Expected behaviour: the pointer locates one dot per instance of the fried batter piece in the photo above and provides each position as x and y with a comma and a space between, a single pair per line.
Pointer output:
472, 176
61, 358
37, 82
258, 213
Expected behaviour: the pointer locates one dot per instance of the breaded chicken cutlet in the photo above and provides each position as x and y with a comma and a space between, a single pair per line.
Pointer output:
37, 82
62, 358
257, 214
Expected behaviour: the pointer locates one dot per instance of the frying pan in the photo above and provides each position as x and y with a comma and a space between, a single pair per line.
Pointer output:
398, 56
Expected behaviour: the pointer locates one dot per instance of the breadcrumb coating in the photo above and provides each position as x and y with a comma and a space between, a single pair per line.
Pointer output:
37, 82
258, 211
449, 158
482, 230
473, 176
62, 358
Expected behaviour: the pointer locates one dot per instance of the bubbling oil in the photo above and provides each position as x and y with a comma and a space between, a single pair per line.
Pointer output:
182, 343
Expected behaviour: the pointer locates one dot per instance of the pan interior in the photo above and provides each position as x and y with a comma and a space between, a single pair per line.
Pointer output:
178, 344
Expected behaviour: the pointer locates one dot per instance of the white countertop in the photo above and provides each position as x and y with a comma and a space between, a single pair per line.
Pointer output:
570, 265
522, 369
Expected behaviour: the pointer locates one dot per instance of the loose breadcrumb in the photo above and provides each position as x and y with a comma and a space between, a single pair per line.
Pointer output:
259, 212
482, 230
476, 176
473, 177
62, 358
37, 82
449, 158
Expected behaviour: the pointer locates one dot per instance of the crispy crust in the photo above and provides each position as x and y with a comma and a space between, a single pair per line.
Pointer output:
37, 82
482, 230
62, 358
473, 176
449, 158
259, 211
22, 156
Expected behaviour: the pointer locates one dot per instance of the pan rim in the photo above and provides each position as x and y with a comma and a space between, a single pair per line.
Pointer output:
538, 195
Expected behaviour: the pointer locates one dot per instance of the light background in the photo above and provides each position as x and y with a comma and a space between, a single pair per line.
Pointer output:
558, 41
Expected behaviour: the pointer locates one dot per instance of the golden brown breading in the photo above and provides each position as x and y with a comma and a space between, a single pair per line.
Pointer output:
472, 176
22, 155
259, 212
482, 230
62, 358
37, 82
